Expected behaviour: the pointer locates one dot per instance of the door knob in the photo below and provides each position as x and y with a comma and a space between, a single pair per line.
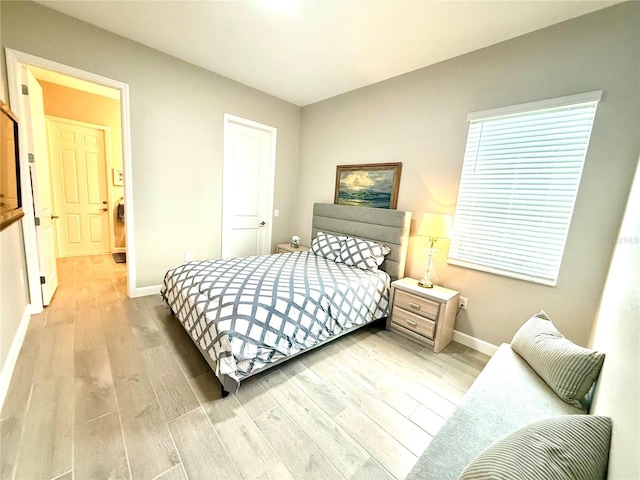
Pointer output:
263, 223
53, 217
105, 209
104, 202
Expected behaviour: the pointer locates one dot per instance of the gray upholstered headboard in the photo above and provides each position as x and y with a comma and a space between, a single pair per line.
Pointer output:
390, 227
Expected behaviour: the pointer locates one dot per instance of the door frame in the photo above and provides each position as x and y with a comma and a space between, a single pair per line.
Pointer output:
269, 179
15, 60
107, 165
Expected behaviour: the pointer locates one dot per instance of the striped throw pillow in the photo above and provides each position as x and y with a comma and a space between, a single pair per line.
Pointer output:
567, 368
566, 447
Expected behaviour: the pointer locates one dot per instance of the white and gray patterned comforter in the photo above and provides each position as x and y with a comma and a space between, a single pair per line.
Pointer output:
251, 311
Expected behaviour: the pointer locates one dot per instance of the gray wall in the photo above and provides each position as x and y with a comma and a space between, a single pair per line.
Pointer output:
176, 130
419, 119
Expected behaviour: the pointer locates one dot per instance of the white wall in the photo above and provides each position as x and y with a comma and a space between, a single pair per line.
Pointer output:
419, 119
177, 113
617, 332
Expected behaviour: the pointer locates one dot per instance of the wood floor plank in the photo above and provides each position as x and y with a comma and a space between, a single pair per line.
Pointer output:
314, 387
99, 449
277, 472
303, 459
395, 424
58, 317
172, 388
55, 357
10, 434
357, 362
450, 361
187, 354
66, 476
203, 454
47, 438
88, 329
407, 381
145, 329
387, 451
427, 419
342, 451
146, 433
254, 398
17, 397
415, 368
93, 384
372, 470
175, 473
236, 429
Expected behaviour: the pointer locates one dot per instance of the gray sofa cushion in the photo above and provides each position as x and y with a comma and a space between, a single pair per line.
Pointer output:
507, 395
569, 446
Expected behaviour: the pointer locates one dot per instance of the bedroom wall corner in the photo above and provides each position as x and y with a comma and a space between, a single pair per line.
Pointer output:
616, 332
419, 119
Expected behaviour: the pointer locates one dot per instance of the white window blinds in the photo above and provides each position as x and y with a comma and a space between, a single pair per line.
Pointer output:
521, 171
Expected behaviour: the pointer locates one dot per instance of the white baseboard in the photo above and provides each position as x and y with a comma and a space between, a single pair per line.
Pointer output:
12, 357
145, 291
475, 343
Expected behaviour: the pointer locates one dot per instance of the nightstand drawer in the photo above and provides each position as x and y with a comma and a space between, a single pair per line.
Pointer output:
413, 322
415, 304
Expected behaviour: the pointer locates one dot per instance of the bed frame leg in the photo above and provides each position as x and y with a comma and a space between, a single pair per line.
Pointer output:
223, 392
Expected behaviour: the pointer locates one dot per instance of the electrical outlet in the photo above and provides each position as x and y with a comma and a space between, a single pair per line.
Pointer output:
187, 257
462, 303
276, 212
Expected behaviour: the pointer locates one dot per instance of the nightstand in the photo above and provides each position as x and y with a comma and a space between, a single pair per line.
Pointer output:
426, 315
287, 248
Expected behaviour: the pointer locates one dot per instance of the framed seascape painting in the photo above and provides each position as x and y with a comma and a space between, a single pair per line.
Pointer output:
371, 185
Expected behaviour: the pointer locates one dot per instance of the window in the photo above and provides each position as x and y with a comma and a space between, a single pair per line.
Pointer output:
520, 176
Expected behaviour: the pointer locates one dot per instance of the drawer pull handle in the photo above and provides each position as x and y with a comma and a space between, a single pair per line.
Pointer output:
413, 324
415, 306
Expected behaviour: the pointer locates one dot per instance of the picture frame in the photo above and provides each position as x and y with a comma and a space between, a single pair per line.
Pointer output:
368, 185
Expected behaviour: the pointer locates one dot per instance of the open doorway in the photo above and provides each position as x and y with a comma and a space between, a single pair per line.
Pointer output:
94, 111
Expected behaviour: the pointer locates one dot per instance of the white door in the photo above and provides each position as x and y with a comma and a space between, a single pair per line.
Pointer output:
42, 198
247, 187
79, 173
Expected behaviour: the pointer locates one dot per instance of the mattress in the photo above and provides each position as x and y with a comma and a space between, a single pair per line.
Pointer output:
248, 312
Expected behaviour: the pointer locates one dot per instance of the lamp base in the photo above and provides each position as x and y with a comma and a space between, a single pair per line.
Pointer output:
425, 283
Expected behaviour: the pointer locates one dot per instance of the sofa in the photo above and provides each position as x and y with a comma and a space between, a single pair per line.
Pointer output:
507, 398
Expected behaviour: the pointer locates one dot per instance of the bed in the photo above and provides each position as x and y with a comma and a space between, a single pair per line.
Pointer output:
248, 314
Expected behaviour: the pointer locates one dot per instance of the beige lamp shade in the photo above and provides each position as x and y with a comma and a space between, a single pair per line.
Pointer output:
435, 225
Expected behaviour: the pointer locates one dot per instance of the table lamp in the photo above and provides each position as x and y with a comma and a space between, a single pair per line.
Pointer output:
434, 226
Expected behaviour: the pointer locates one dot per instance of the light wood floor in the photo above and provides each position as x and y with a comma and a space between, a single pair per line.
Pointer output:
111, 387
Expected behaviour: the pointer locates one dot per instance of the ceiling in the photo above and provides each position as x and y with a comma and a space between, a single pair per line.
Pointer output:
304, 51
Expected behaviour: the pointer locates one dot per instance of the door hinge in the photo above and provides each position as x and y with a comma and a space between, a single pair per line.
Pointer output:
37, 219
43, 280
25, 89
31, 157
